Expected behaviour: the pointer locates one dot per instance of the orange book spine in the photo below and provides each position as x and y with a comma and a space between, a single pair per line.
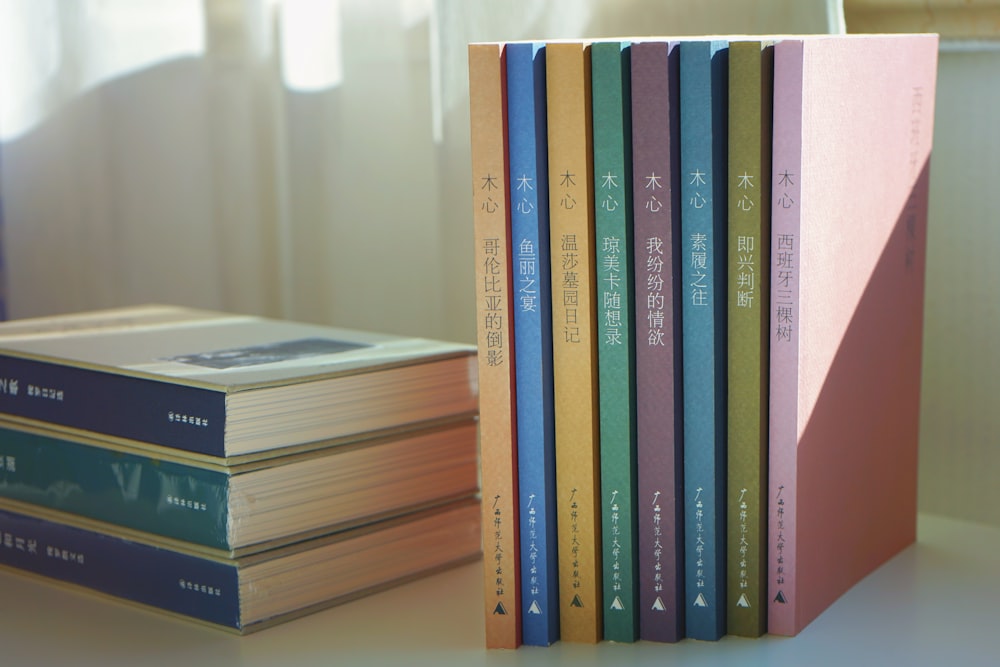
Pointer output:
574, 349
494, 331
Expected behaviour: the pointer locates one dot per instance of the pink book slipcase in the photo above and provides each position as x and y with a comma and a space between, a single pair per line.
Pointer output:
853, 122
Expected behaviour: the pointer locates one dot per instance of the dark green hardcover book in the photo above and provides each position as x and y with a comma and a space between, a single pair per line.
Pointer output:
750, 86
232, 510
610, 87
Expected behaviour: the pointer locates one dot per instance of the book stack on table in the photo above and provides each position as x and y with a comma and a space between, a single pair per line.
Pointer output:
233, 470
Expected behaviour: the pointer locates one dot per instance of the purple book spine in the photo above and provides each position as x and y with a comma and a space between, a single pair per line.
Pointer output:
656, 191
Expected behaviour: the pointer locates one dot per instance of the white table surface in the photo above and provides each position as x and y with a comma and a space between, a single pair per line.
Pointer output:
937, 603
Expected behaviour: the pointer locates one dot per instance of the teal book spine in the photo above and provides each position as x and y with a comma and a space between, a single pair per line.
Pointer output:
141, 493
610, 90
704, 105
526, 127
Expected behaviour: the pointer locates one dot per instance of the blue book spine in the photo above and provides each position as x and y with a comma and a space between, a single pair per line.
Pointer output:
199, 588
151, 411
526, 120
704, 103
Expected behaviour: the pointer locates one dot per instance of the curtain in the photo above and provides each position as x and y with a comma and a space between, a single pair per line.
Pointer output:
305, 159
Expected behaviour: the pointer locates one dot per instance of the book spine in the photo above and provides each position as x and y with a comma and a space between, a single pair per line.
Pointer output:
659, 392
494, 331
173, 415
574, 352
784, 336
610, 87
199, 588
159, 497
528, 181
703, 251
748, 299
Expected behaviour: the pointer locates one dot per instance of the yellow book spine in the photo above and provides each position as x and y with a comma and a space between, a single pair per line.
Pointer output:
574, 351
494, 330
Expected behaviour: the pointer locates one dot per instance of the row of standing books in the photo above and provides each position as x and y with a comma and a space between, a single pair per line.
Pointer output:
700, 274
233, 470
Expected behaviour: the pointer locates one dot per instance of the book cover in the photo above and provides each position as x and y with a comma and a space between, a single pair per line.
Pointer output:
574, 350
527, 144
748, 296
655, 72
704, 105
495, 342
224, 385
612, 119
238, 509
246, 594
853, 125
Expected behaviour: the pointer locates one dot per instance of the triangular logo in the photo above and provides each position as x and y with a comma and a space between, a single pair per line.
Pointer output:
617, 604
780, 598
743, 602
577, 602
535, 608
700, 601
499, 610
658, 605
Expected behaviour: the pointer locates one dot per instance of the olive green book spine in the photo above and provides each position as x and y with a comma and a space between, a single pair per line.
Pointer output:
750, 86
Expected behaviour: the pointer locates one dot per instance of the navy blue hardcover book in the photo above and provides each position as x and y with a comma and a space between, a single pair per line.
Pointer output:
526, 126
704, 104
242, 594
224, 385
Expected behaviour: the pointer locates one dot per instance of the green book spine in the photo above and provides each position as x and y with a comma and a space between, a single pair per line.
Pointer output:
130, 490
750, 74
610, 87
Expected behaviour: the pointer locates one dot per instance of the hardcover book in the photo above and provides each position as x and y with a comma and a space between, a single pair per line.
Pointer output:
222, 385
249, 593
610, 81
748, 295
853, 124
237, 509
703, 109
659, 391
495, 342
574, 350
527, 143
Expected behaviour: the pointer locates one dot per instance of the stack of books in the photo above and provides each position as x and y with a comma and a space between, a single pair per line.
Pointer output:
700, 277
229, 469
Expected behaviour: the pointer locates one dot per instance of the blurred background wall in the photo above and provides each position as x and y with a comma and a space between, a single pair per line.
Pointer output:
309, 159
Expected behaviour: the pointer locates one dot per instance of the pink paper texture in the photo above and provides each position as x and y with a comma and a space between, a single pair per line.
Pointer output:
853, 129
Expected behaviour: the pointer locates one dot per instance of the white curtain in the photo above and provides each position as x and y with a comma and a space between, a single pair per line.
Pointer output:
296, 158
